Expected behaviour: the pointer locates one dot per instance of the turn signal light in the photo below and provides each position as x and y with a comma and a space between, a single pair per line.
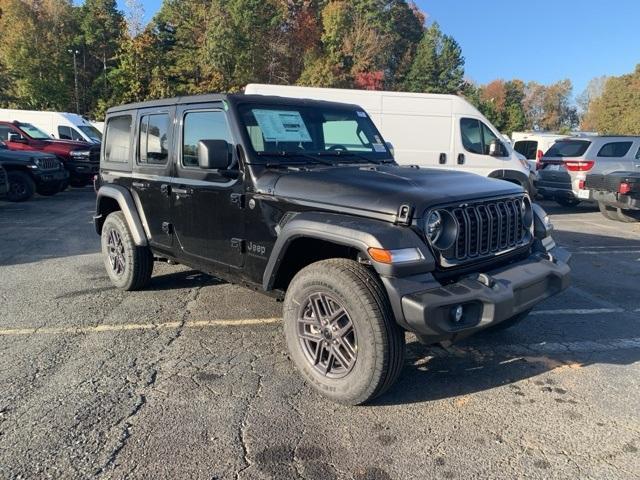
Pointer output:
624, 188
402, 255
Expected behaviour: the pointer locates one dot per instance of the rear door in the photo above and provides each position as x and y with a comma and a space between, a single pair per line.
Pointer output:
152, 172
207, 204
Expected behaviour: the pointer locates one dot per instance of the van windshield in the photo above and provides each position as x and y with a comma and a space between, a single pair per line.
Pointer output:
304, 131
33, 132
568, 148
92, 132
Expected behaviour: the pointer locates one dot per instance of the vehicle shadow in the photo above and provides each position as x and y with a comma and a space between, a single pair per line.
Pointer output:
554, 208
182, 279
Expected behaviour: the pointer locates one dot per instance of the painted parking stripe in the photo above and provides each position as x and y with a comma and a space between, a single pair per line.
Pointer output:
606, 252
578, 311
137, 326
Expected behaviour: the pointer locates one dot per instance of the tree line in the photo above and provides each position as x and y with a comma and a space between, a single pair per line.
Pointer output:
197, 46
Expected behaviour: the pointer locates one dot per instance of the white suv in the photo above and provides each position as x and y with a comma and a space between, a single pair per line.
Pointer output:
566, 164
533, 145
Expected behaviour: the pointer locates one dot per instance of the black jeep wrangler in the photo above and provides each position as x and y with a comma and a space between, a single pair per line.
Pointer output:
302, 200
29, 172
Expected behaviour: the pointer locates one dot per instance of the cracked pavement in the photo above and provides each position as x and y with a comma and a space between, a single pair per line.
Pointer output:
190, 378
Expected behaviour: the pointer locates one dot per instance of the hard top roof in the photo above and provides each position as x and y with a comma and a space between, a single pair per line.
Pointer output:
232, 98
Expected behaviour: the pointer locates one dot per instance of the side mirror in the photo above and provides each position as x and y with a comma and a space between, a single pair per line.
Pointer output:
16, 138
214, 154
390, 147
497, 149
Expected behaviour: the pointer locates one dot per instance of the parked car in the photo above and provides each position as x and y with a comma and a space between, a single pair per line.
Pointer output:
425, 129
31, 172
81, 159
60, 125
303, 200
617, 194
533, 145
4, 183
566, 164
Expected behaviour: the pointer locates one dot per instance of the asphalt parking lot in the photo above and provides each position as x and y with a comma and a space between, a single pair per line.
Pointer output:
190, 378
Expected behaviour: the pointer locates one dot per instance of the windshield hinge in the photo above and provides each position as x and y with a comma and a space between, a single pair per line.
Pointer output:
405, 215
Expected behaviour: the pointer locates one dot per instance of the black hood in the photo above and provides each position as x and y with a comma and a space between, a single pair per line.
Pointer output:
383, 189
22, 155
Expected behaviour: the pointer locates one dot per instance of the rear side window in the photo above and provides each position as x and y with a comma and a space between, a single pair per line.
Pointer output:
615, 149
568, 148
204, 125
118, 136
528, 148
4, 133
154, 143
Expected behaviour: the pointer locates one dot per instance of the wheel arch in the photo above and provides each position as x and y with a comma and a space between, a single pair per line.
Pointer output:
111, 198
314, 236
512, 176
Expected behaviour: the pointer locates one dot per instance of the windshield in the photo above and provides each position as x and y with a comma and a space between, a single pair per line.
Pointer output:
568, 148
33, 132
91, 132
313, 131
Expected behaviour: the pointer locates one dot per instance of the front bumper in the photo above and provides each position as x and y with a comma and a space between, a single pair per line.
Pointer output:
424, 306
46, 177
625, 202
82, 170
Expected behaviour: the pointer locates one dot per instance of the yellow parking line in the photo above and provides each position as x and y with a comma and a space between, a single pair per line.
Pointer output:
136, 326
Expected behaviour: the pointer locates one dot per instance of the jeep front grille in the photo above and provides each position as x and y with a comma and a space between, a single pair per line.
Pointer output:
487, 229
47, 163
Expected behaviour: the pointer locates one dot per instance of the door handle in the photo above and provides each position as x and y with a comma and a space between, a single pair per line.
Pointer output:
461, 159
182, 191
443, 158
140, 185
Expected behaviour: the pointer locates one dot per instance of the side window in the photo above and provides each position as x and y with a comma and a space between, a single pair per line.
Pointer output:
202, 125
488, 137
346, 134
615, 149
64, 133
4, 133
153, 147
638, 154
528, 148
118, 136
471, 135
75, 135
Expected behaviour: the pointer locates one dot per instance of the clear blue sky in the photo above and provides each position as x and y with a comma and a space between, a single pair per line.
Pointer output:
541, 40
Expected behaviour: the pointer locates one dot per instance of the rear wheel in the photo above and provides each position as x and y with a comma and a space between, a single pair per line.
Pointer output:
129, 266
568, 202
628, 216
78, 182
49, 189
21, 187
341, 333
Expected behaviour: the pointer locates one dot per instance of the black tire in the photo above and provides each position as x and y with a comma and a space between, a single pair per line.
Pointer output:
509, 322
64, 185
378, 343
129, 266
78, 183
48, 189
567, 202
21, 186
608, 212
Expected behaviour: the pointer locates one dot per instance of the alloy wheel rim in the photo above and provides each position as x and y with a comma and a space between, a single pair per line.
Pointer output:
115, 251
17, 189
327, 335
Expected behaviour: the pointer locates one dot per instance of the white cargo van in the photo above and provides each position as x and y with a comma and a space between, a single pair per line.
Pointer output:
61, 125
428, 130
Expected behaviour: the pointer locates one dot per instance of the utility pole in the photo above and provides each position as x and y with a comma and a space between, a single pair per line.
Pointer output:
75, 78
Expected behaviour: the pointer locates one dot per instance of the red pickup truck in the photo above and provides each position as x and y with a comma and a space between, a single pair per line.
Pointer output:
80, 159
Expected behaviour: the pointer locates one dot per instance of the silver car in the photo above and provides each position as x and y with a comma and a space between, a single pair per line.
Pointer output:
566, 164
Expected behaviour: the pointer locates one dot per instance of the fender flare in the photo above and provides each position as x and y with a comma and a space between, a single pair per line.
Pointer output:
356, 232
128, 208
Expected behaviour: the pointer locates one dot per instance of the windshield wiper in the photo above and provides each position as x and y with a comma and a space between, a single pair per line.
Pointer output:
343, 153
286, 154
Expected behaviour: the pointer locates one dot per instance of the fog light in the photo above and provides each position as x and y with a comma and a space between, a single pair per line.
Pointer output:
456, 313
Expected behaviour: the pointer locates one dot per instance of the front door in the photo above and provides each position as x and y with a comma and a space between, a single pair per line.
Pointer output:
207, 204
472, 148
151, 182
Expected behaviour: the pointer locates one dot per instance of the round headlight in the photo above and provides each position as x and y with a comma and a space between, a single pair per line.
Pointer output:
441, 229
434, 226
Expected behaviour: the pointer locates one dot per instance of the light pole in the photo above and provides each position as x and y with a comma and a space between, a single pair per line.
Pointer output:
75, 77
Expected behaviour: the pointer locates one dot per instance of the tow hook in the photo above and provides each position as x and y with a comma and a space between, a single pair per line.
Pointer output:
486, 280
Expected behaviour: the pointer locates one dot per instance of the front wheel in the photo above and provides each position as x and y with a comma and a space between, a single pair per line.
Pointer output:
341, 333
21, 187
129, 266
